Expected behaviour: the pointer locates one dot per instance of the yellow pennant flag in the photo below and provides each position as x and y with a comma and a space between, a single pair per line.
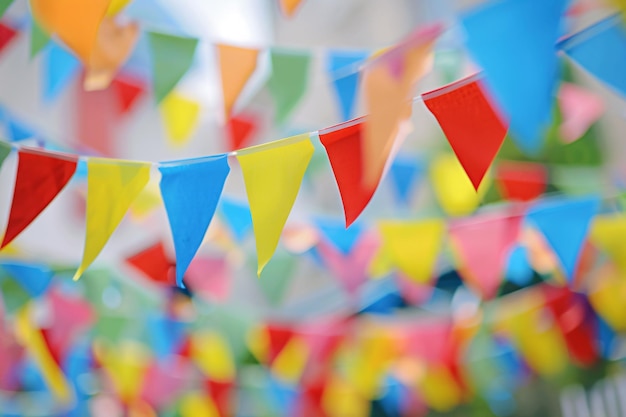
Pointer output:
453, 188
31, 338
272, 174
116, 6
258, 341
197, 404
366, 366
439, 389
180, 116
236, 66
340, 399
112, 185
608, 296
413, 246
607, 233
290, 362
211, 353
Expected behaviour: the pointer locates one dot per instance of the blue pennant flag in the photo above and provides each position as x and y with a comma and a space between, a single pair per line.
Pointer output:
344, 73
166, 335
60, 67
335, 232
191, 190
35, 279
521, 66
394, 397
17, 130
518, 270
282, 395
565, 224
238, 217
601, 50
404, 173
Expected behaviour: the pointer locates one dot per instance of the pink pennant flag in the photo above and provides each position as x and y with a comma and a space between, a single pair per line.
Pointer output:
164, 381
209, 277
580, 108
483, 243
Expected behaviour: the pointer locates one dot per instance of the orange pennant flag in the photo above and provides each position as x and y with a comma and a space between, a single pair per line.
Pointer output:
236, 66
114, 45
289, 7
75, 22
388, 84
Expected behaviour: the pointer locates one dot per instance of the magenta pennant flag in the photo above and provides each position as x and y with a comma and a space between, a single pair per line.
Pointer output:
483, 243
209, 277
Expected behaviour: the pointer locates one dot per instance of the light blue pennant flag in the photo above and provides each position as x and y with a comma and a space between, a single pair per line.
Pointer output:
335, 232
60, 67
237, 215
343, 71
404, 173
34, 279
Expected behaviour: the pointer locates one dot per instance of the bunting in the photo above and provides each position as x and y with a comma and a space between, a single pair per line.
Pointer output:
272, 175
111, 188
61, 67
4, 5
128, 91
241, 130
236, 66
35, 279
473, 128
405, 172
7, 34
38, 38
521, 181
238, 217
521, 68
5, 151
191, 191
287, 84
180, 116
580, 109
607, 234
41, 175
344, 73
289, 7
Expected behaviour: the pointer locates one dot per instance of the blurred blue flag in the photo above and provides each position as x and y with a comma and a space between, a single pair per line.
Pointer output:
237, 216
166, 335
518, 270
191, 190
565, 224
404, 173
59, 67
514, 41
601, 50
335, 232
344, 72
34, 278
17, 130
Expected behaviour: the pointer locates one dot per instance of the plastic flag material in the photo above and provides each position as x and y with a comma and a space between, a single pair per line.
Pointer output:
343, 145
6, 35
114, 44
272, 174
405, 172
112, 186
75, 22
288, 82
388, 84
338, 235
180, 116
521, 181
38, 38
607, 233
520, 67
34, 278
209, 277
213, 356
41, 175
237, 216
191, 190
126, 366
154, 263
172, 56
60, 69
17, 130
565, 224
128, 91
241, 130
344, 72
580, 109
473, 128
601, 50
484, 243
604, 298
414, 246
236, 66
289, 7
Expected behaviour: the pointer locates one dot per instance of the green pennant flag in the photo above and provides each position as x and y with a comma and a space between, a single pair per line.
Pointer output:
172, 57
13, 295
287, 84
4, 5
5, 150
38, 38
275, 278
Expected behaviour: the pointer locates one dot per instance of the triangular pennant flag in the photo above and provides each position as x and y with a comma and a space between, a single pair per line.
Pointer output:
41, 175
289, 7
209, 277
166, 335
344, 73
565, 224
483, 243
521, 69
580, 109
241, 130
112, 186
474, 130
272, 174
154, 263
126, 367
5, 151
34, 278
338, 235
128, 91
4, 5
75, 22
601, 50
7, 34
237, 215
172, 56
607, 233
60, 68
191, 190
522, 181
237, 65
343, 145
388, 84
18, 131
114, 44
180, 116
116, 6
413, 246
38, 38
404, 173
288, 82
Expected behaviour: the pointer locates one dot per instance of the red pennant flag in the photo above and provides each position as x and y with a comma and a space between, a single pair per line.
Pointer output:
6, 35
128, 90
343, 144
279, 336
472, 126
41, 175
241, 130
155, 264
222, 394
483, 243
521, 181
